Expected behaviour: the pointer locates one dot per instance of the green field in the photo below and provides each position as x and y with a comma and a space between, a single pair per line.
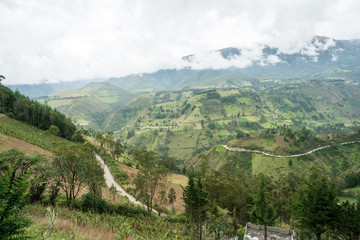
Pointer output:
333, 161
92, 103
183, 123
30, 133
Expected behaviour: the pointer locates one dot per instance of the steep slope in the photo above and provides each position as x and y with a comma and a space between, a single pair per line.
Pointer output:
45, 89
167, 79
334, 161
90, 105
321, 58
8, 142
229, 78
187, 122
129, 113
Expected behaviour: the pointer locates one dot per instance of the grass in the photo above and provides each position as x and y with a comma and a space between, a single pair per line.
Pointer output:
30, 133
332, 161
74, 224
8, 142
349, 199
309, 105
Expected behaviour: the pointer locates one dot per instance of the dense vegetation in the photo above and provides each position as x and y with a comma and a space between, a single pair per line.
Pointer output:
184, 123
309, 205
225, 189
17, 106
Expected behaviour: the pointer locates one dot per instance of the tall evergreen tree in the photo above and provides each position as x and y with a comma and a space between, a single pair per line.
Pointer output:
262, 211
194, 197
349, 222
315, 207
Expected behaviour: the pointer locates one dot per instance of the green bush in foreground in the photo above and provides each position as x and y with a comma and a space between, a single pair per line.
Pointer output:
13, 199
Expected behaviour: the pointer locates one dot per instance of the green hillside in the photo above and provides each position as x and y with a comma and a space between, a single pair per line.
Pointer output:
183, 123
220, 79
30, 133
333, 161
165, 79
90, 105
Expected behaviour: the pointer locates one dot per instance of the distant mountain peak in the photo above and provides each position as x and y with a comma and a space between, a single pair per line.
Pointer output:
319, 47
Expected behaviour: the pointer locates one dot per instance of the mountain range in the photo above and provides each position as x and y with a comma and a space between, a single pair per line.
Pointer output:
321, 58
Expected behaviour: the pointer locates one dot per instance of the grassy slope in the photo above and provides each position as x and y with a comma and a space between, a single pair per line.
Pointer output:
179, 132
333, 161
93, 102
74, 224
277, 145
33, 139
217, 79
83, 110
8, 142
30, 133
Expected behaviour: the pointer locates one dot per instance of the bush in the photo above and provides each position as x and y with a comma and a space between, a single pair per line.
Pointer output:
54, 130
13, 198
92, 203
131, 211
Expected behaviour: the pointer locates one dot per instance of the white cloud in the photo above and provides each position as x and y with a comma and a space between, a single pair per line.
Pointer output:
69, 40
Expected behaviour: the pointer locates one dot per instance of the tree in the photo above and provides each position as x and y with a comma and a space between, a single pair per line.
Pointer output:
285, 187
77, 137
54, 130
204, 164
23, 164
195, 199
113, 192
100, 139
349, 224
216, 223
262, 212
168, 162
1, 78
172, 196
75, 167
315, 206
231, 191
161, 201
12, 199
15, 169
150, 178
117, 150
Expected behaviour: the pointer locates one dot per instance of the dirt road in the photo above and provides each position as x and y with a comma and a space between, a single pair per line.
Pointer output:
279, 156
109, 179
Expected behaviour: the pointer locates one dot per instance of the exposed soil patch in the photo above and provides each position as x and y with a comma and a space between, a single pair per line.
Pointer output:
8, 142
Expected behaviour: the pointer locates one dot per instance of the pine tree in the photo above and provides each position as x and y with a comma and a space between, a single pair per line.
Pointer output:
262, 211
194, 197
315, 207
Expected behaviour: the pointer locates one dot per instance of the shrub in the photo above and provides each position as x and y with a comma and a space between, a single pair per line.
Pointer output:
92, 203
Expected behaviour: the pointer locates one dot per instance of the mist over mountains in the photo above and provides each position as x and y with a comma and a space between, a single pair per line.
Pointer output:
322, 58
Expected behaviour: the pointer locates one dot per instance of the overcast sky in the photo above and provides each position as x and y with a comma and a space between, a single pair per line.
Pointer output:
62, 40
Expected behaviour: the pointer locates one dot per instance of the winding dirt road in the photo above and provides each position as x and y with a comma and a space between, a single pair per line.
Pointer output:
237, 149
109, 179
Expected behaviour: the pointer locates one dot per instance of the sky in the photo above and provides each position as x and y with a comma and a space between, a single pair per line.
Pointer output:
64, 40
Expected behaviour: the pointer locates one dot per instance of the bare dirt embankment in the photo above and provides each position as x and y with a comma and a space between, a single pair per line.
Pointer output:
8, 142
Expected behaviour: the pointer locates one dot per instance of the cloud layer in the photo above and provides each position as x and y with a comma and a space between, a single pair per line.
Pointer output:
69, 40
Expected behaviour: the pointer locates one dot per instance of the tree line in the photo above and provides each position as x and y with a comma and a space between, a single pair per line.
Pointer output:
20, 107
219, 204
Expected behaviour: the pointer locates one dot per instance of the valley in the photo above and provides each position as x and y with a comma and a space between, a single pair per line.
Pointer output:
152, 155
